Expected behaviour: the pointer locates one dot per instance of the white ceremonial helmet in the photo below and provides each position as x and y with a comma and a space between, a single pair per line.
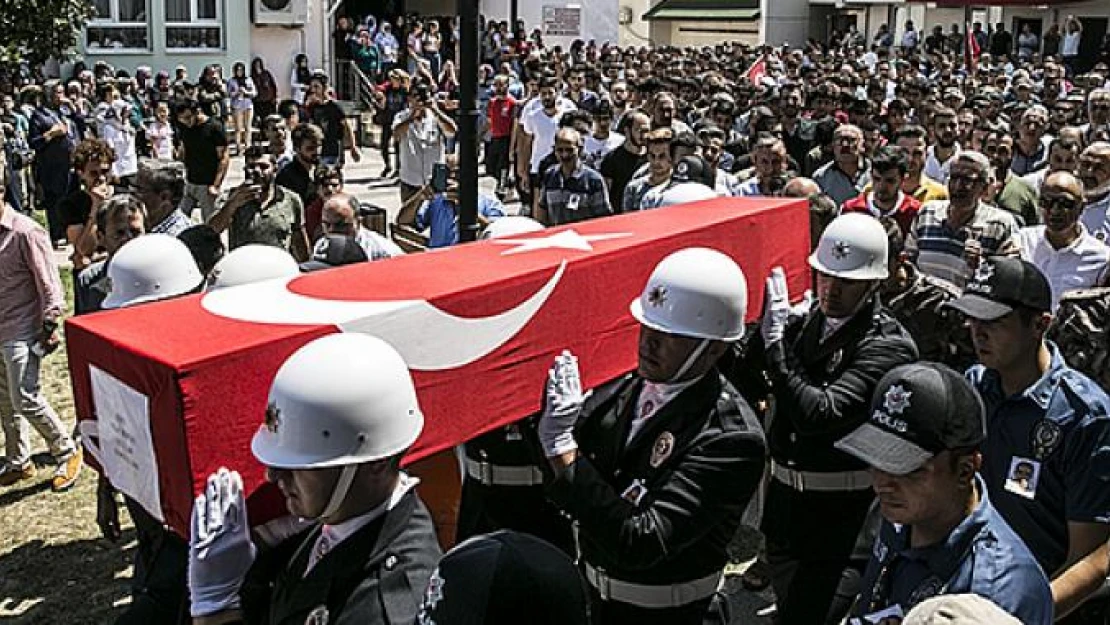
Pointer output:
695, 292
339, 402
343, 399
685, 192
252, 263
854, 246
150, 268
510, 226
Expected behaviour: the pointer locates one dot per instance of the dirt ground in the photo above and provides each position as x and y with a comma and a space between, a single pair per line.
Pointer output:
55, 568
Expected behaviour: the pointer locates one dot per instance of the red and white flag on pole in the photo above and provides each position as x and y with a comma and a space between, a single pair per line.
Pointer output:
757, 71
971, 50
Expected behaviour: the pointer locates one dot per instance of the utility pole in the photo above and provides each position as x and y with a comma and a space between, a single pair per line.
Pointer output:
468, 120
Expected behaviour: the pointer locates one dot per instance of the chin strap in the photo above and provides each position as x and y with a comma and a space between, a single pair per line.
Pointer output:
339, 493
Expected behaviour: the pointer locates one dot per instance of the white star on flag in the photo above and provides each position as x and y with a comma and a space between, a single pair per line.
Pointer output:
565, 240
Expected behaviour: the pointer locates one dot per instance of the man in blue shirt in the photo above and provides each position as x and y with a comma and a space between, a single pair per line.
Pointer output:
940, 533
438, 213
570, 191
1047, 453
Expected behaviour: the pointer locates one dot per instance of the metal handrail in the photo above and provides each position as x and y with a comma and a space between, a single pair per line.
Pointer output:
356, 85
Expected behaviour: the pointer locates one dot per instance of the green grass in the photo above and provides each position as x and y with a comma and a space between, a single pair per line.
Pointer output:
55, 567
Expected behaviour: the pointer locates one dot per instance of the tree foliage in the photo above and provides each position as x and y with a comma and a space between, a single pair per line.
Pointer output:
36, 30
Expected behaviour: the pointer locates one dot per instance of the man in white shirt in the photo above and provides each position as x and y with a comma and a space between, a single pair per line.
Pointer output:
940, 155
603, 140
539, 121
421, 131
1094, 171
1062, 248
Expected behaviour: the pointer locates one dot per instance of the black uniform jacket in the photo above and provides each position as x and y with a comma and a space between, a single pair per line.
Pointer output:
377, 575
692, 467
822, 389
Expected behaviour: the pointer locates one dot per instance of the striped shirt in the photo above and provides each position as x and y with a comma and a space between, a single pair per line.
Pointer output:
580, 196
938, 247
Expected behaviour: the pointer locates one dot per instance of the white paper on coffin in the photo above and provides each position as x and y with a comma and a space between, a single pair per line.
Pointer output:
121, 441
428, 338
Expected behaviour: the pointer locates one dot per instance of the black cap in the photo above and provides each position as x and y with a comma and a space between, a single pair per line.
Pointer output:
334, 250
692, 169
496, 578
918, 411
1000, 285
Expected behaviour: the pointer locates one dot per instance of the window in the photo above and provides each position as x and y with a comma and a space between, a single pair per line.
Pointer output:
194, 25
118, 25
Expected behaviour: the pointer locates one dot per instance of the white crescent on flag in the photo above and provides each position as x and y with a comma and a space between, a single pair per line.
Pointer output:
428, 338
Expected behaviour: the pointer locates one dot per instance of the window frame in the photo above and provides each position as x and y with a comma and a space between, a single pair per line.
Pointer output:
113, 21
195, 24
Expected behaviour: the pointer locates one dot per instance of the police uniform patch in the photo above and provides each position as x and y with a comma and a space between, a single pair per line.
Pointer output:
835, 360
318, 616
662, 449
1046, 438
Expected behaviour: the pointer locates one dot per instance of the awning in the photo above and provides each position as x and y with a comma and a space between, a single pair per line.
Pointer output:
704, 10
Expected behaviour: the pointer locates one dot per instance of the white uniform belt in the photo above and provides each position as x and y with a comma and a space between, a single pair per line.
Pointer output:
645, 596
497, 475
821, 481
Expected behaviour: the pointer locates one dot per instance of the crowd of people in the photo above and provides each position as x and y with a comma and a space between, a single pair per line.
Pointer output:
930, 421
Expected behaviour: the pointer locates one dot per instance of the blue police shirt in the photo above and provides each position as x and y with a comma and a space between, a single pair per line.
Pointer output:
1046, 459
982, 556
441, 218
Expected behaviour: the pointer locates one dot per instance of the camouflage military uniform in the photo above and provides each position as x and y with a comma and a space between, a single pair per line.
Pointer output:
1080, 330
918, 302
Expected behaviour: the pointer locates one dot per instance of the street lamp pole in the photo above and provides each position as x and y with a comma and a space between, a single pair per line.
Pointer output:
468, 120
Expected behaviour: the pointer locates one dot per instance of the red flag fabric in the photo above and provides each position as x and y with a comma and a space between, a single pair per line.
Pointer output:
757, 71
169, 392
971, 50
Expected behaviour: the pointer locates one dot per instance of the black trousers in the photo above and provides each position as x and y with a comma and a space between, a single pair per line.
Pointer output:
53, 178
484, 509
810, 536
497, 158
159, 587
387, 139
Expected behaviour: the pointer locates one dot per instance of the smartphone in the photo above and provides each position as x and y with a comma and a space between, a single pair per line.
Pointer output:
439, 177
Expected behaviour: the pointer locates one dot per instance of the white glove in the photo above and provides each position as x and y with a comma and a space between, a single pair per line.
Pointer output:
220, 548
776, 308
801, 309
563, 404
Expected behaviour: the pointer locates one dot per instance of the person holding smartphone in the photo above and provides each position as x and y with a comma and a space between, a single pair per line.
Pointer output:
259, 211
421, 131
435, 208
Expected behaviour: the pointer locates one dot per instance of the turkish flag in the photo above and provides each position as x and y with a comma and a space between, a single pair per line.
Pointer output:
971, 50
169, 392
757, 71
